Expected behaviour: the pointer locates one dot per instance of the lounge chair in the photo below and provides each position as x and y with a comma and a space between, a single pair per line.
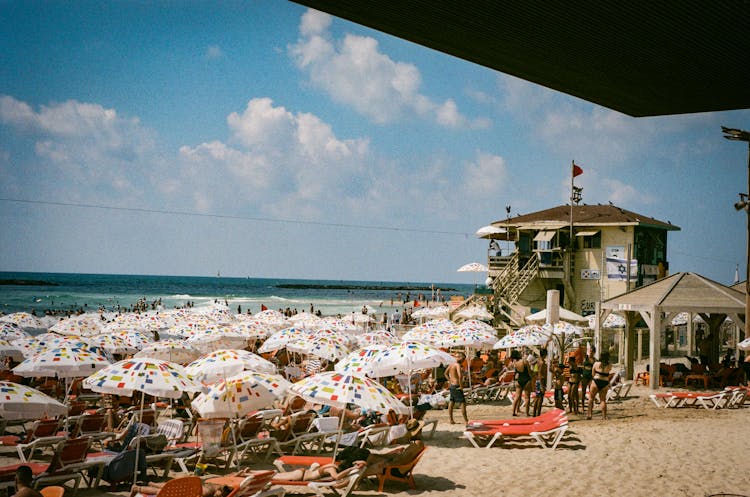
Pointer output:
44, 433
402, 472
707, 400
547, 432
187, 486
68, 463
52, 491
342, 487
619, 391
253, 485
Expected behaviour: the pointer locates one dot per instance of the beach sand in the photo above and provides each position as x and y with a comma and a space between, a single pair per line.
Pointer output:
641, 450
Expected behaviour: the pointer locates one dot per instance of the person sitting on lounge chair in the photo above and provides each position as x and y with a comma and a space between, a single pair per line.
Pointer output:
24, 477
209, 489
336, 470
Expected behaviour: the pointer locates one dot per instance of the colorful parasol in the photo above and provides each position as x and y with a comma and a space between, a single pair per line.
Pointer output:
240, 394
224, 363
529, 335
171, 350
22, 402
62, 362
150, 376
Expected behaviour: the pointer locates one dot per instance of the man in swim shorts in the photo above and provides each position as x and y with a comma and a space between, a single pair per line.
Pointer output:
454, 373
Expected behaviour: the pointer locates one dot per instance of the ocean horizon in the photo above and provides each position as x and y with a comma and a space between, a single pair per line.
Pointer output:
47, 292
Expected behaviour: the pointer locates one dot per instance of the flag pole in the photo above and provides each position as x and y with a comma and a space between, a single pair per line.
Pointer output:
572, 179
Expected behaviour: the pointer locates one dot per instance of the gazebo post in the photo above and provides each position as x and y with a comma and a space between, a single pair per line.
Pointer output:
654, 347
630, 343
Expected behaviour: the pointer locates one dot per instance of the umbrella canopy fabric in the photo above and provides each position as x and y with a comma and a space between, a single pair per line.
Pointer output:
475, 312
22, 402
565, 315
62, 362
9, 350
472, 267
612, 321
279, 339
526, 336
150, 376
407, 356
357, 363
489, 231
325, 347
238, 395
224, 363
171, 350
376, 336
22, 319
338, 390
12, 331
561, 328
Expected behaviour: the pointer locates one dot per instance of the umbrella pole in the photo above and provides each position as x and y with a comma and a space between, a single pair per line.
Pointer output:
411, 411
341, 431
138, 440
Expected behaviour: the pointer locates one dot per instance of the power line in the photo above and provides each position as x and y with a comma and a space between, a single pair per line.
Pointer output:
228, 216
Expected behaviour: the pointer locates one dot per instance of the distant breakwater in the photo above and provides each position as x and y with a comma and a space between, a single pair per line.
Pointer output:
28, 283
301, 286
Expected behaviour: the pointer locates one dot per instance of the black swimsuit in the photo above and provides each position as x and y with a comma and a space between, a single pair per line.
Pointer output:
523, 377
601, 383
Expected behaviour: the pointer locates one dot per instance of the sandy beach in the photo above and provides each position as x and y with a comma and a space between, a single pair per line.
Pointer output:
641, 450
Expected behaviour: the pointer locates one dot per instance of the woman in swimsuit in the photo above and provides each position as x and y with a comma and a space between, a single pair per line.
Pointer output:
602, 372
573, 380
586, 374
523, 381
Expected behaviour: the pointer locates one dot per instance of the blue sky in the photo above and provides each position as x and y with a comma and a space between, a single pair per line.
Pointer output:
312, 147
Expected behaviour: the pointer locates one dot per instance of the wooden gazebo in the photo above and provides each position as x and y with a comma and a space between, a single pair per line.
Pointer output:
658, 302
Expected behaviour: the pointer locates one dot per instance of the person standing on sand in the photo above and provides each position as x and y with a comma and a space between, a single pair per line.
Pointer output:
454, 374
602, 372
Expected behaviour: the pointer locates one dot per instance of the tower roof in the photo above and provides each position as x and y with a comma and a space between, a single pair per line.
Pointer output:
584, 215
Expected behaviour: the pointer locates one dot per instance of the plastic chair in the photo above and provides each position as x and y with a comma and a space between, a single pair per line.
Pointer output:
188, 486
52, 491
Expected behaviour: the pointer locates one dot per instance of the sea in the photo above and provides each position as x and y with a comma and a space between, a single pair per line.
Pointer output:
45, 293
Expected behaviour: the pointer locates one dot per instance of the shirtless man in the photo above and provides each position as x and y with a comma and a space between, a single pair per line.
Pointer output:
455, 380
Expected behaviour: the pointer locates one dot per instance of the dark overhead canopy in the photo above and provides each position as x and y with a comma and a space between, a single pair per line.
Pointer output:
640, 57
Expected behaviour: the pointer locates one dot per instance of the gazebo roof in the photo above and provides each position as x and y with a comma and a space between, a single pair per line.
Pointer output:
584, 215
681, 292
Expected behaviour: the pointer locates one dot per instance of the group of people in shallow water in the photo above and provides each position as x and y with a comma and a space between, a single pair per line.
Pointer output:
579, 377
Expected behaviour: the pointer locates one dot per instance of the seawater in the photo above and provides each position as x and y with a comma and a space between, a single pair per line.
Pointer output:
72, 291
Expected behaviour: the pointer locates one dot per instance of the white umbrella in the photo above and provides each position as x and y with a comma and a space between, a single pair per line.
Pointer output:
171, 350
565, 315
526, 336
149, 376
240, 394
221, 364
62, 362
472, 267
22, 402
475, 312
490, 231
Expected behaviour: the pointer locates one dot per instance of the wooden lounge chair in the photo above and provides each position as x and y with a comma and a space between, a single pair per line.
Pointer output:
400, 472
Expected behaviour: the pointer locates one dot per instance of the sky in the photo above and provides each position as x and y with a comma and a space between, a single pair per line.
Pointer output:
264, 139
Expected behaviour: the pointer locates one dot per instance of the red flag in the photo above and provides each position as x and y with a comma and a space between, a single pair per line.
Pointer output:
416, 303
577, 171
263, 308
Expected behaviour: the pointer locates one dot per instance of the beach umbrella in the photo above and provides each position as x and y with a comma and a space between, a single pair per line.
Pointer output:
240, 394
307, 317
113, 344
62, 362
563, 328
526, 336
376, 337
472, 267
744, 344
171, 350
565, 315
338, 390
357, 363
216, 339
22, 402
224, 363
85, 324
252, 330
145, 375
489, 231
271, 317
405, 357
612, 321
279, 339
11, 331
475, 312
324, 347
22, 320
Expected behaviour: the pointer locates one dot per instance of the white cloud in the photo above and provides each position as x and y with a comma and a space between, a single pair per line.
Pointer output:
83, 143
484, 177
353, 71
